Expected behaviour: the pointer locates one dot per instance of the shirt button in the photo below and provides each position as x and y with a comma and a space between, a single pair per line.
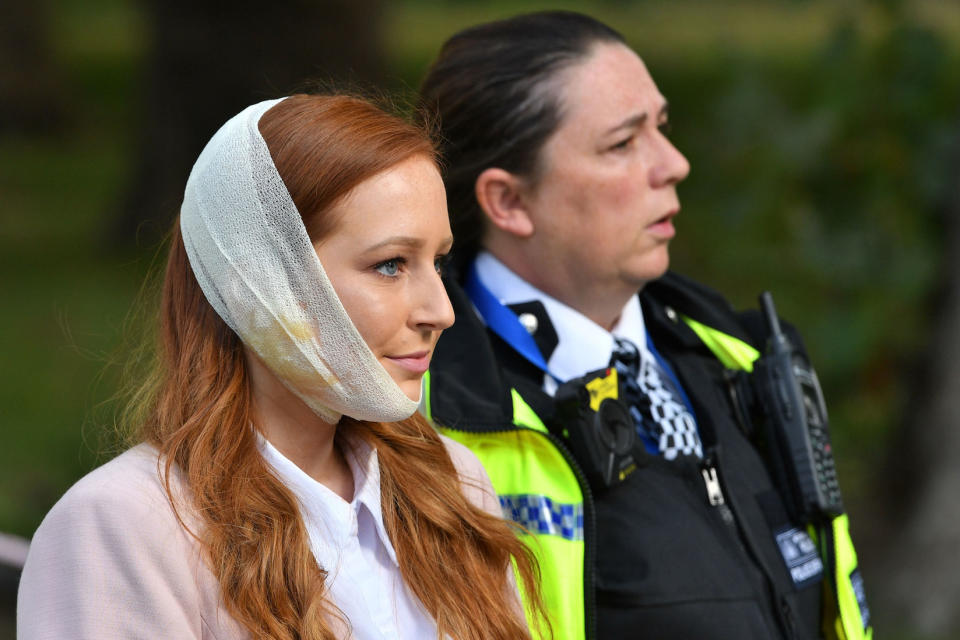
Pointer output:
671, 313
529, 322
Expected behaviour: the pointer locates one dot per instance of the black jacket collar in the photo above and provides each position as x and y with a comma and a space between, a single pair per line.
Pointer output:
473, 370
467, 390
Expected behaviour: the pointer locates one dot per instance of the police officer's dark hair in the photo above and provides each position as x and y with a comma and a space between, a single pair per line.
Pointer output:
490, 90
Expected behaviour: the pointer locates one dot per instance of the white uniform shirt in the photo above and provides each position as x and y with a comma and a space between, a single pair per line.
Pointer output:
348, 540
583, 345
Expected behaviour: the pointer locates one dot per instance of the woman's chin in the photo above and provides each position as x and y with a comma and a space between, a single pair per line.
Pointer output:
647, 267
411, 388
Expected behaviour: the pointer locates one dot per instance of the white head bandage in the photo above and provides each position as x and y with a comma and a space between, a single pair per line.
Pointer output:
253, 259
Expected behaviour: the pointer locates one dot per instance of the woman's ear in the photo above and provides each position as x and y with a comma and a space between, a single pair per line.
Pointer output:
500, 195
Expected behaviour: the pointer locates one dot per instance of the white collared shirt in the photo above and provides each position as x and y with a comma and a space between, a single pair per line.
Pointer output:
583, 345
349, 540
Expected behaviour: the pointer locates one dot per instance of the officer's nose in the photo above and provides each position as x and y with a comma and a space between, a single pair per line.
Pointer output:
671, 167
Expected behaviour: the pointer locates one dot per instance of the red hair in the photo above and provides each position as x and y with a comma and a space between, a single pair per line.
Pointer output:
453, 556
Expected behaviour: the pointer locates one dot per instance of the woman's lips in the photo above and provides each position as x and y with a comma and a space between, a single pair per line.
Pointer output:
417, 362
663, 227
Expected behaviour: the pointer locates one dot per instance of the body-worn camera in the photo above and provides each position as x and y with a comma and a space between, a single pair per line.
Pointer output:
597, 427
797, 435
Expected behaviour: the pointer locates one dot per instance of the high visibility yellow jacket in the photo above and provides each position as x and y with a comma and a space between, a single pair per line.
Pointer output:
650, 557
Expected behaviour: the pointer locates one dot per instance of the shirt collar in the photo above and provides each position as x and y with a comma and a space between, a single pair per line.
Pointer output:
325, 511
584, 345
365, 466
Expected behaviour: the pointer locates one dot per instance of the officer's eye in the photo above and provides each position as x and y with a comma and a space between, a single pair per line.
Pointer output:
622, 145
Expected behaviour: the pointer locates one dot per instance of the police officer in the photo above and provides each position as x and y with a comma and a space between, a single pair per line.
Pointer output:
561, 185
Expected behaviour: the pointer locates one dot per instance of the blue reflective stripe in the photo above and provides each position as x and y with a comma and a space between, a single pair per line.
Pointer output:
541, 515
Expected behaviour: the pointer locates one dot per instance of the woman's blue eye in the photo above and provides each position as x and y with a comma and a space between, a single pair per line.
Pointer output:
388, 267
439, 263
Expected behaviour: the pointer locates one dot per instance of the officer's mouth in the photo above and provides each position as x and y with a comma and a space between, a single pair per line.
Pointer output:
663, 227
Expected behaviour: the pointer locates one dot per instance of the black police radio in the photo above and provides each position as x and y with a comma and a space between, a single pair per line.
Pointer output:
597, 427
797, 430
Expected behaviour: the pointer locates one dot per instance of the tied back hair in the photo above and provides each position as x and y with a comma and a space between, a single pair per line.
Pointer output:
494, 90
197, 406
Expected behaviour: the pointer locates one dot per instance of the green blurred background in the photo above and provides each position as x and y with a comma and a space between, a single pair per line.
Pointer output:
823, 139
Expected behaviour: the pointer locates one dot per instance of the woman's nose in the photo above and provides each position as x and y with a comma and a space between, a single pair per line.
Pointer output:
672, 166
432, 309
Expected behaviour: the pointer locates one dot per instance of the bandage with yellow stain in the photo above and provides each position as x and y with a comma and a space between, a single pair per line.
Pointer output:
295, 367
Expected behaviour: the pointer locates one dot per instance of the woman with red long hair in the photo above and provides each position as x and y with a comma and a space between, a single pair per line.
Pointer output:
282, 484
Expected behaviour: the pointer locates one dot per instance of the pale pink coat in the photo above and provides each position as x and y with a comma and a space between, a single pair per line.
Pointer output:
111, 561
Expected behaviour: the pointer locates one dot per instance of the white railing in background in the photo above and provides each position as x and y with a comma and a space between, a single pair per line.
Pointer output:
13, 550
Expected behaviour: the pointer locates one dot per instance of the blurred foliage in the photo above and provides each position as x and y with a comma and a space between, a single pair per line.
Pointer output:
823, 178
821, 136
63, 298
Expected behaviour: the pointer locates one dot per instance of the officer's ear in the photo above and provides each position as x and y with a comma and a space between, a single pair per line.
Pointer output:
500, 196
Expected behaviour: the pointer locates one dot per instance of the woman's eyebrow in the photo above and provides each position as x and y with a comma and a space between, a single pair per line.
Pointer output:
637, 120
411, 242
401, 241
632, 122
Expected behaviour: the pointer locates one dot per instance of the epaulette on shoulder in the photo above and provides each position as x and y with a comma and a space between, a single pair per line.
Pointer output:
695, 300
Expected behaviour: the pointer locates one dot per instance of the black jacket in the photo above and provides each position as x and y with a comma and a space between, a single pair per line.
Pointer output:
666, 564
